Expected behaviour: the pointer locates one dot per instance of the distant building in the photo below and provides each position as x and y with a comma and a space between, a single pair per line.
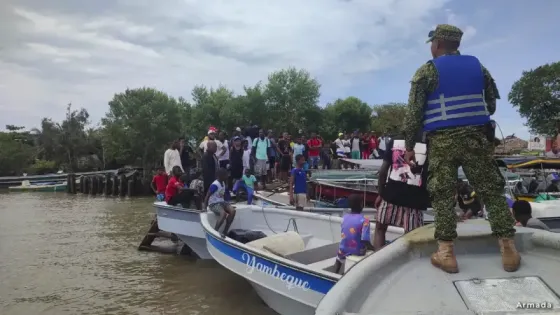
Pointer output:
511, 145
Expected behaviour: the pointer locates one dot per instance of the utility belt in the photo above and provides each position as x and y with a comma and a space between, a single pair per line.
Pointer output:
489, 130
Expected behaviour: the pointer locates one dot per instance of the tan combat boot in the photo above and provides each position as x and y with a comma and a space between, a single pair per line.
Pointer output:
510, 257
444, 257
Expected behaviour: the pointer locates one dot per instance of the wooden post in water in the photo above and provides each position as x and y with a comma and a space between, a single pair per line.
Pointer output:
94, 185
115, 183
108, 186
87, 184
100, 184
82, 184
71, 183
122, 185
68, 181
130, 188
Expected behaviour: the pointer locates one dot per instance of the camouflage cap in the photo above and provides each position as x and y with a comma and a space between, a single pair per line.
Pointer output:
446, 32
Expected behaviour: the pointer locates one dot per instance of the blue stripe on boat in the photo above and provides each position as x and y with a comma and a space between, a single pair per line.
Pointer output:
289, 275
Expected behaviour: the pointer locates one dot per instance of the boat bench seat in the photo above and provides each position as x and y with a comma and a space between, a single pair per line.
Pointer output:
316, 254
323, 264
281, 244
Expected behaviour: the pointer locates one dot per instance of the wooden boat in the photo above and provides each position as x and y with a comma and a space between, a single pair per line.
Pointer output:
333, 185
42, 187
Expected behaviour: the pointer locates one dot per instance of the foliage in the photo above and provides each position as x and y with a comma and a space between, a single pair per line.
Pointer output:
536, 95
140, 125
15, 154
41, 167
346, 115
292, 98
389, 118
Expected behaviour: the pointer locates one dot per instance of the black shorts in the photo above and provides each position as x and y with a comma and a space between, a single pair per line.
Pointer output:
285, 163
272, 162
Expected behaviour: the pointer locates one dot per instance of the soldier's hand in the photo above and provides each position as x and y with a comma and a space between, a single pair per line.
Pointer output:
409, 158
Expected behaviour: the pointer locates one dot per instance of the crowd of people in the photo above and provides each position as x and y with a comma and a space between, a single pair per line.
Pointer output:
241, 162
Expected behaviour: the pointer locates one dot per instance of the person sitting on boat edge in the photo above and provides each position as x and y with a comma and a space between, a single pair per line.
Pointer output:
217, 200
522, 213
403, 195
298, 184
355, 238
159, 183
175, 192
468, 201
247, 181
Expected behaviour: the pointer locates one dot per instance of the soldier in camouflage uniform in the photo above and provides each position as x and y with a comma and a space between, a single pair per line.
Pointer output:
451, 98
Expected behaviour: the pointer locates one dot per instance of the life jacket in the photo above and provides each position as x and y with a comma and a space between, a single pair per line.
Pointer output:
406, 186
458, 100
218, 195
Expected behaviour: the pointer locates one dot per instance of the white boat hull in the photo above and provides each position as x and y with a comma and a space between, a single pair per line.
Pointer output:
274, 292
185, 223
285, 285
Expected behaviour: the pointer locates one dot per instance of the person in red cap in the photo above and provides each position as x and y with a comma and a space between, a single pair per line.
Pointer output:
211, 137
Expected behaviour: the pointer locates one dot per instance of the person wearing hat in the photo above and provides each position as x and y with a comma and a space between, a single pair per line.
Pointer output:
212, 131
236, 133
451, 99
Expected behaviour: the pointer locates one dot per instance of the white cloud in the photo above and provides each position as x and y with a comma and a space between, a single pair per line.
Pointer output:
86, 57
469, 31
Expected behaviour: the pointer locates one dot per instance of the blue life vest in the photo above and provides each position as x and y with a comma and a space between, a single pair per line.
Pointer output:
458, 100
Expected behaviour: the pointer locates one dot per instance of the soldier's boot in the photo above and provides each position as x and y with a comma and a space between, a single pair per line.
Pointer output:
510, 257
444, 258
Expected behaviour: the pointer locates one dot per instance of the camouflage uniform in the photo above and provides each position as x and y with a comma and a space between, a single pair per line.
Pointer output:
462, 146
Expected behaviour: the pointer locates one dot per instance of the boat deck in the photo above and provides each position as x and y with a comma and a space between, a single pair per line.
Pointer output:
427, 288
402, 272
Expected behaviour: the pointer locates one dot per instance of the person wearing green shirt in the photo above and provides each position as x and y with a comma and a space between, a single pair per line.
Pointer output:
248, 182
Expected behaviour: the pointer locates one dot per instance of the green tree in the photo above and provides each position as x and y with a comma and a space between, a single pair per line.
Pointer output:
140, 125
64, 143
536, 95
388, 118
346, 115
73, 135
208, 108
292, 98
15, 155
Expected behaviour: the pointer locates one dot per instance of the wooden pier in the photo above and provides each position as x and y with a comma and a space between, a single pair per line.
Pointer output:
115, 183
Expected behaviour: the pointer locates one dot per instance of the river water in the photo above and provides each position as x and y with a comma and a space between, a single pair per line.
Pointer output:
63, 254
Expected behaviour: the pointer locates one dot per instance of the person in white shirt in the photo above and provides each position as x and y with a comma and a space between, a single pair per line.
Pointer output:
246, 156
339, 142
355, 142
211, 137
382, 147
223, 150
172, 158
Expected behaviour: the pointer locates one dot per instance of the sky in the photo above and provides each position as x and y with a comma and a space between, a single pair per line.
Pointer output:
83, 52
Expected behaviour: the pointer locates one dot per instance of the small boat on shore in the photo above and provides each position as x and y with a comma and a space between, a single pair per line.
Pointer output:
26, 186
400, 279
291, 268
